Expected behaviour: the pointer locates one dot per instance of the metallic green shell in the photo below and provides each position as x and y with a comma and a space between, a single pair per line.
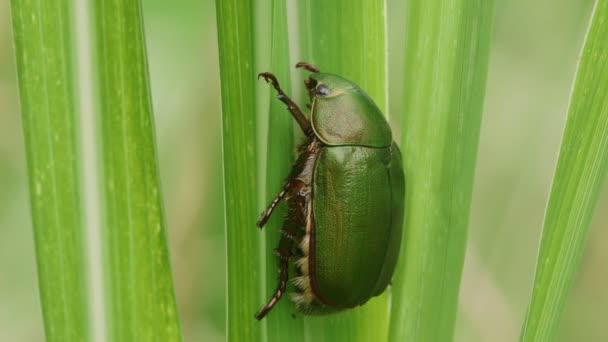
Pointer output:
358, 197
347, 116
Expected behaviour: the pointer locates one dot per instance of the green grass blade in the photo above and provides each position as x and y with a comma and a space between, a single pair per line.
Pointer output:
140, 297
43, 34
445, 72
235, 39
580, 173
280, 156
348, 38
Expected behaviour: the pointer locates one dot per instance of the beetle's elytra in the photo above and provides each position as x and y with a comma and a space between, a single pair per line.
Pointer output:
345, 198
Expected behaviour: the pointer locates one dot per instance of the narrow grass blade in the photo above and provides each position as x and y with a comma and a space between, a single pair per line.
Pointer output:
235, 39
348, 38
140, 297
445, 72
43, 34
580, 173
280, 156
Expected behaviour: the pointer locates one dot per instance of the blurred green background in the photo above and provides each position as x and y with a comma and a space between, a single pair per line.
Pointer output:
533, 57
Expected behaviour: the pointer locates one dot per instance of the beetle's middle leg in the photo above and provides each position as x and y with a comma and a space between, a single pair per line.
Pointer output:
266, 214
291, 106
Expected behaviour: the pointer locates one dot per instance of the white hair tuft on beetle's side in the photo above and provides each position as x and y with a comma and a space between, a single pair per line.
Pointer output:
305, 296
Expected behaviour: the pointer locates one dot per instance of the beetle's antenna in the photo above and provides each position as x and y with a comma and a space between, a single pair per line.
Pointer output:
291, 106
307, 66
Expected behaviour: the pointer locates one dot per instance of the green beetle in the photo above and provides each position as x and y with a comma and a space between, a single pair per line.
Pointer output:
345, 198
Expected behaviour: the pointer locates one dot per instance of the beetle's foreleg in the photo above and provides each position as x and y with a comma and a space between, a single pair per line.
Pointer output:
266, 214
291, 106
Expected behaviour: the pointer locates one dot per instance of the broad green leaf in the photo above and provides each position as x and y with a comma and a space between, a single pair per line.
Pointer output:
245, 294
446, 63
44, 35
140, 299
579, 175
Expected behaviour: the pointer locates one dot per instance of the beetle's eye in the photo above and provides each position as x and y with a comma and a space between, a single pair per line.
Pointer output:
322, 90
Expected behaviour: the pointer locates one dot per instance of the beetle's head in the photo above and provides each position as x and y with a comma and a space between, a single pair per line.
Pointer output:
343, 114
327, 86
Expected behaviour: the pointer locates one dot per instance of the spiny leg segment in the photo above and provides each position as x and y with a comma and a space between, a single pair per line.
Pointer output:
266, 214
283, 278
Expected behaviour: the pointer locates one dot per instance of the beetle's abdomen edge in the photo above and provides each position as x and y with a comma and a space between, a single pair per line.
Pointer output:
303, 198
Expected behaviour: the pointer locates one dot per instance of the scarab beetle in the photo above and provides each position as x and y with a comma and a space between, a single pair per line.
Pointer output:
345, 198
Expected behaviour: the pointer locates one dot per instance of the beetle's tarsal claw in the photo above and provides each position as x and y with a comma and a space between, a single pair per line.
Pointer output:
261, 313
261, 221
307, 66
270, 78
265, 75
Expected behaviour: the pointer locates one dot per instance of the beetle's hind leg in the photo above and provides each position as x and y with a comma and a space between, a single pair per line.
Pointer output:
291, 106
284, 252
280, 291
